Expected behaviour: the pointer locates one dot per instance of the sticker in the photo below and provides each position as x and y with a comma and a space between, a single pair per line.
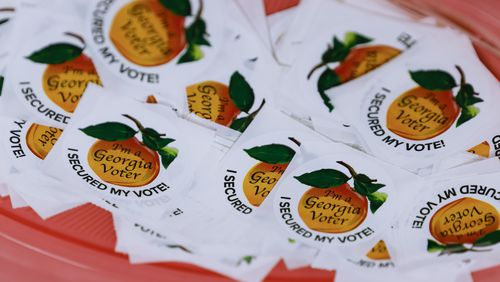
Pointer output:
377, 258
339, 200
424, 111
430, 108
379, 252
117, 157
227, 105
146, 41
353, 57
456, 219
482, 149
40, 139
343, 51
28, 143
127, 155
249, 174
487, 149
51, 75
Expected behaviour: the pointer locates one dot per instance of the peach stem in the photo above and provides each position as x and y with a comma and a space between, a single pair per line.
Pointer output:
314, 69
258, 110
137, 123
200, 10
462, 74
351, 170
294, 141
78, 37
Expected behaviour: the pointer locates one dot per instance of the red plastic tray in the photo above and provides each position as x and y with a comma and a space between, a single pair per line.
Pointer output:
78, 245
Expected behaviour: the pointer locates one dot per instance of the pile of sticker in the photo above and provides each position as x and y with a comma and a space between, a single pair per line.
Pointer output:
343, 135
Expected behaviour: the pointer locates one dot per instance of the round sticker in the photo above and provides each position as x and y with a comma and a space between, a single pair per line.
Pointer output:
127, 157
249, 174
336, 200
458, 218
50, 75
421, 111
27, 143
40, 139
146, 42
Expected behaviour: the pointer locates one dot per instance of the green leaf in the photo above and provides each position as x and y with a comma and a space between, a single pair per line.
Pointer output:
377, 199
466, 96
56, 54
246, 259
2, 21
433, 79
433, 246
110, 131
453, 249
192, 53
272, 153
178, 7
489, 239
327, 80
154, 140
195, 33
168, 155
467, 114
241, 92
364, 185
151, 132
241, 124
352, 39
291, 241
337, 53
323, 178
1, 84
